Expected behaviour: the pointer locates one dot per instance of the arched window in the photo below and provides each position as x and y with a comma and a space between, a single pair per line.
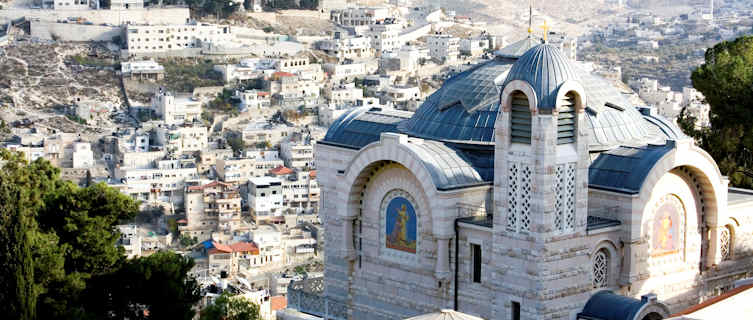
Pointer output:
566, 119
600, 268
725, 243
520, 119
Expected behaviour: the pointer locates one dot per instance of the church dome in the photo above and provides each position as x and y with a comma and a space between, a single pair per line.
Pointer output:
464, 110
545, 68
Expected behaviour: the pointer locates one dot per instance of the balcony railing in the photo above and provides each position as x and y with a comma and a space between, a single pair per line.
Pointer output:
307, 296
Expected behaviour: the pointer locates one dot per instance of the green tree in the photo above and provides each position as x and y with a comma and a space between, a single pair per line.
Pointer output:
68, 236
153, 287
17, 293
236, 143
227, 307
726, 79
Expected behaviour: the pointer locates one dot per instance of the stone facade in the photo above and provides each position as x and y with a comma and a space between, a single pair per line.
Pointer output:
543, 233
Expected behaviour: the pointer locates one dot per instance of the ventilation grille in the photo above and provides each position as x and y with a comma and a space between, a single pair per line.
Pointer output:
520, 119
566, 120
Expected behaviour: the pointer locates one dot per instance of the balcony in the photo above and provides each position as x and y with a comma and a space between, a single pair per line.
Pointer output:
307, 296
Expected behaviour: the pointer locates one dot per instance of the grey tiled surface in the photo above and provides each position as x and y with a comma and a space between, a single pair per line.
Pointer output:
624, 169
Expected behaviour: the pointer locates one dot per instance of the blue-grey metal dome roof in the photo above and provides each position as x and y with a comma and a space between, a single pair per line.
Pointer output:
361, 126
464, 109
545, 68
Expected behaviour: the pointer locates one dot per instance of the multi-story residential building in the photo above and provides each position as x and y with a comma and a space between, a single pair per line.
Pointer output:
359, 16
292, 90
143, 70
262, 132
339, 72
298, 152
176, 109
443, 48
165, 183
255, 164
384, 37
401, 94
163, 38
302, 67
212, 207
329, 112
182, 138
269, 240
265, 198
247, 69
348, 48
300, 191
83, 156
474, 46
231, 258
343, 94
406, 59
130, 239
254, 99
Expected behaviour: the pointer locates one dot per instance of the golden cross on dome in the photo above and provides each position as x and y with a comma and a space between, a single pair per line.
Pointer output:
546, 29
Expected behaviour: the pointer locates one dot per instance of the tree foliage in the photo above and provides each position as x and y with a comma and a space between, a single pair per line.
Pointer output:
153, 287
726, 80
227, 307
58, 251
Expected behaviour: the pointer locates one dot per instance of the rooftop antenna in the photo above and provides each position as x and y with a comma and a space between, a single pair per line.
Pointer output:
530, 18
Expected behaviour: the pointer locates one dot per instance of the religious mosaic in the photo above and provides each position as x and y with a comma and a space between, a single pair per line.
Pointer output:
401, 225
666, 226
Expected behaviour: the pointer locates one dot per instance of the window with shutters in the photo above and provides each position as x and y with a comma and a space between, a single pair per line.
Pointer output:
520, 119
566, 119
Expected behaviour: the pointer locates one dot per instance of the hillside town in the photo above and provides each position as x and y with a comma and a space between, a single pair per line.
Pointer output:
211, 121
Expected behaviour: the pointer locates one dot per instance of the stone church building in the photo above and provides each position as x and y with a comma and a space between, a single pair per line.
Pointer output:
525, 188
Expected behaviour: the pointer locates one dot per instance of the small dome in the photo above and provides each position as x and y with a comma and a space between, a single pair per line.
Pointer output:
545, 69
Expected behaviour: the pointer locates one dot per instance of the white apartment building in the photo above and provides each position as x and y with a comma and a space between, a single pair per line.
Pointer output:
298, 153
178, 109
165, 183
246, 69
269, 240
130, 239
328, 113
339, 72
348, 48
406, 59
300, 191
83, 156
265, 198
265, 132
254, 99
443, 47
182, 138
291, 90
162, 38
474, 46
384, 38
400, 94
359, 16
143, 70
343, 94
255, 164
